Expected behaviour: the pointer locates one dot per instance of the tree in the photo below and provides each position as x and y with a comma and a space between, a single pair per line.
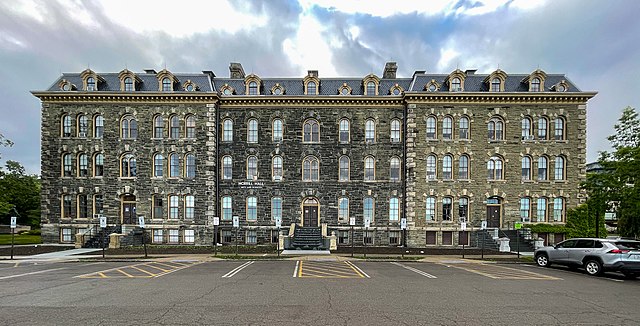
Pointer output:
19, 192
4, 142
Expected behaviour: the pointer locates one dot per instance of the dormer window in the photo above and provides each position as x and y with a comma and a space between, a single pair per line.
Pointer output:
167, 86
128, 84
496, 81
189, 86
535, 85
90, 80
396, 90
227, 90
371, 83
495, 85
128, 81
277, 89
311, 83
371, 88
432, 86
456, 85
344, 89
561, 86
91, 84
311, 88
253, 88
535, 80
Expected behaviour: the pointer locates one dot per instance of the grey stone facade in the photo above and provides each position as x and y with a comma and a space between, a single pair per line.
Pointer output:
209, 101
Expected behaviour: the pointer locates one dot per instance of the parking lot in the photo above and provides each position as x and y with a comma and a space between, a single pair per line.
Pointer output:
311, 291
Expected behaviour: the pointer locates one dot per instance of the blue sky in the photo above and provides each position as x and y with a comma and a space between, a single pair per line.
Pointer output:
595, 43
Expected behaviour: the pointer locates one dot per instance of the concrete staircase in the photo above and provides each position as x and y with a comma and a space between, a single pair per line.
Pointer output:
95, 241
522, 241
307, 238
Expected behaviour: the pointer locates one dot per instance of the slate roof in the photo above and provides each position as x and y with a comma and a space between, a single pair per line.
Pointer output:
149, 82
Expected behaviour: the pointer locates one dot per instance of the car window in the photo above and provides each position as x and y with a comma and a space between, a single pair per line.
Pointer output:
599, 244
628, 245
566, 244
584, 243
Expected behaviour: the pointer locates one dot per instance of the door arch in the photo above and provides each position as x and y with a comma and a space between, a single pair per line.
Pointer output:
310, 212
494, 212
128, 209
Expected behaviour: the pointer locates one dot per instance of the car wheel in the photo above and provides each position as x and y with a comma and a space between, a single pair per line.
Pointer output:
593, 267
542, 260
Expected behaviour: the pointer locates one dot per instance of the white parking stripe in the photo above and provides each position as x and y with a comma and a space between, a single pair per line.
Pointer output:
358, 268
425, 274
295, 271
237, 269
32, 273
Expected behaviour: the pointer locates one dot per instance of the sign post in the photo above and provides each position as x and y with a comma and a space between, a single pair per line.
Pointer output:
103, 225
144, 243
403, 226
236, 226
352, 223
518, 226
483, 227
278, 226
367, 224
216, 222
14, 221
463, 227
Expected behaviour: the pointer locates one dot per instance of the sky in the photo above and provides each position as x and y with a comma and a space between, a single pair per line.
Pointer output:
594, 43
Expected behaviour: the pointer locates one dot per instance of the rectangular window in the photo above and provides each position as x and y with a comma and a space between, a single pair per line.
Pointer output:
447, 238
83, 165
394, 238
83, 207
431, 209
463, 238
368, 237
394, 211
558, 209
343, 209
158, 236
67, 207
173, 207
227, 130
368, 209
98, 127
98, 204
463, 209
276, 208
227, 236
274, 236
344, 131
226, 209
343, 237
189, 207
541, 215
98, 168
189, 236
174, 236
395, 131
252, 209
431, 237
66, 235
524, 209
252, 237
446, 208
158, 207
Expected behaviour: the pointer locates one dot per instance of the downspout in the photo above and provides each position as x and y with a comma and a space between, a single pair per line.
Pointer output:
406, 170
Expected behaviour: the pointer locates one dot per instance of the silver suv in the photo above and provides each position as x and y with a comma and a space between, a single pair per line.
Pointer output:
595, 255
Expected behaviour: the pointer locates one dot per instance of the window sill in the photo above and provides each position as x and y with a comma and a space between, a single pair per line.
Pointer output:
127, 178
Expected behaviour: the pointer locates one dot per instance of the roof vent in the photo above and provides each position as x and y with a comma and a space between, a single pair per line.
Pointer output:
150, 71
390, 69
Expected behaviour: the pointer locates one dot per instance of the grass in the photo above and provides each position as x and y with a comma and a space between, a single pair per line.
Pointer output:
20, 239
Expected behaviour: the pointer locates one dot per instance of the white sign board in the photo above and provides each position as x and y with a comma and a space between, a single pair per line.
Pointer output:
403, 223
483, 225
14, 221
103, 221
141, 221
463, 226
352, 221
236, 221
216, 221
367, 222
278, 222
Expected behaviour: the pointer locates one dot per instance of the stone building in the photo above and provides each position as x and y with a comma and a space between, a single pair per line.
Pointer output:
185, 150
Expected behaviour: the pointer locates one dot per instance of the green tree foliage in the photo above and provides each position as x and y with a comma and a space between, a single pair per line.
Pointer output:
4, 142
581, 220
19, 193
619, 183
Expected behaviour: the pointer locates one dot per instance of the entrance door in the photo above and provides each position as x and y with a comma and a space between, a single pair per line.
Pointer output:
310, 209
493, 212
129, 210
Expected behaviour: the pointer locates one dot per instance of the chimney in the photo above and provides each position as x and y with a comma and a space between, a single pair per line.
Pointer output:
470, 72
150, 71
390, 69
312, 73
236, 71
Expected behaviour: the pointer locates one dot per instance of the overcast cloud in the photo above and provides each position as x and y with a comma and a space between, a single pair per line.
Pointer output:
593, 42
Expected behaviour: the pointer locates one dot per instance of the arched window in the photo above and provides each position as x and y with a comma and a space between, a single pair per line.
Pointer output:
343, 209
526, 168
495, 129
128, 167
174, 165
495, 85
167, 85
276, 168
227, 208
174, 129
371, 88
252, 168
277, 130
543, 168
129, 127
128, 85
310, 169
542, 128
190, 166
344, 168
252, 131
394, 209
431, 167
66, 126
344, 131
158, 165
158, 127
447, 170
227, 130
227, 168
98, 165
431, 127
558, 130
535, 85
311, 88
456, 85
558, 209
395, 131
83, 165
190, 127
394, 172
253, 88
447, 128
430, 208
98, 126
463, 167
83, 126
463, 209
369, 169
447, 207
311, 131
463, 128
526, 129
525, 209
559, 168
370, 131
91, 84
368, 209
541, 210
494, 168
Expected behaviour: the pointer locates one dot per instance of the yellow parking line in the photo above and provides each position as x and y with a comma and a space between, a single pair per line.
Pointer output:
158, 268
102, 275
125, 273
300, 269
142, 270
168, 265
328, 271
312, 274
354, 269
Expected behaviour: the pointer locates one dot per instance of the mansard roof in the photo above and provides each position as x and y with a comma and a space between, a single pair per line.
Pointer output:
148, 81
476, 83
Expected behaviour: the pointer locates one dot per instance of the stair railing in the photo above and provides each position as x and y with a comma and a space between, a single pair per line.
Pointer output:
88, 234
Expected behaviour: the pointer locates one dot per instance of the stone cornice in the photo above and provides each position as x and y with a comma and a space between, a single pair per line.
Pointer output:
122, 97
310, 101
498, 98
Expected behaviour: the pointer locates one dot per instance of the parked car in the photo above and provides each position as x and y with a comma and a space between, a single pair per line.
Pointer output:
594, 254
